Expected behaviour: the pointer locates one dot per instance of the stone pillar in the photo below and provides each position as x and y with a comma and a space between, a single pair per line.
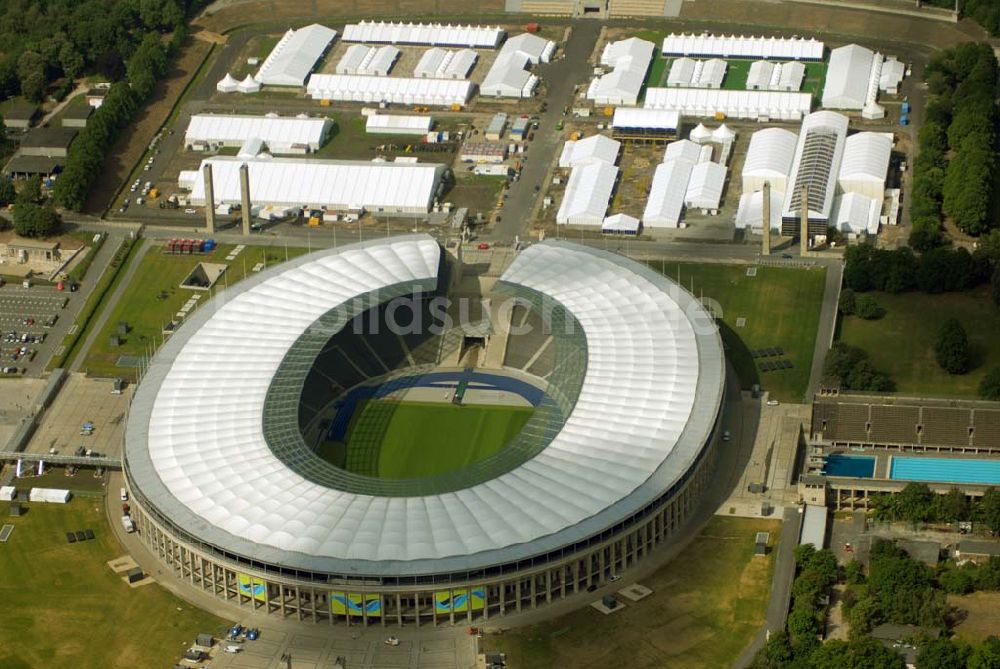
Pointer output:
209, 199
804, 218
766, 215
245, 197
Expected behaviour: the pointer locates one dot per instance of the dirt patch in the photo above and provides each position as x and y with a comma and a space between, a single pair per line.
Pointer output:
131, 146
982, 617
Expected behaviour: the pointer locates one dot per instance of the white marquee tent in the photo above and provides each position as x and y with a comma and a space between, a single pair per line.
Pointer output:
587, 195
293, 58
685, 149
630, 59
774, 105
766, 75
434, 34
751, 211
596, 148
818, 152
688, 73
368, 60
649, 119
865, 164
847, 77
248, 85
227, 84
398, 124
666, 194
770, 48
621, 224
704, 189
856, 213
281, 134
397, 90
769, 158
438, 63
508, 76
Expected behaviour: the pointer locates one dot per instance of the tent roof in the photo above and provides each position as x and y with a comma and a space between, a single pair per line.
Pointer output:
620, 223
770, 153
847, 77
387, 32
293, 57
866, 156
637, 117
588, 191
596, 148
239, 128
733, 46
666, 194
704, 189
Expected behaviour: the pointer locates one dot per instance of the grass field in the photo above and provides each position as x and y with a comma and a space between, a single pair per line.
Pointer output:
153, 297
64, 607
983, 615
707, 605
395, 440
910, 326
737, 71
781, 306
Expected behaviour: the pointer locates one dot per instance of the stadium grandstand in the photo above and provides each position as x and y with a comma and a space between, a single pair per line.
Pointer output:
286, 494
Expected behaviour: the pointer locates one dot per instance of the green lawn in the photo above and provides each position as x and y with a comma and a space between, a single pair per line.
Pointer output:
153, 297
706, 606
902, 342
781, 306
64, 607
395, 440
737, 71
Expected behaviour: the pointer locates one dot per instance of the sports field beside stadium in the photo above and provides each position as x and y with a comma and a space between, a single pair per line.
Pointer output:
393, 439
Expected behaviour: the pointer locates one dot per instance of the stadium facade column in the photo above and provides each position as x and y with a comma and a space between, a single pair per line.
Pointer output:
209, 199
804, 219
766, 211
245, 197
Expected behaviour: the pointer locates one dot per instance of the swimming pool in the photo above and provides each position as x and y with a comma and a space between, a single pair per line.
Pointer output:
945, 470
855, 466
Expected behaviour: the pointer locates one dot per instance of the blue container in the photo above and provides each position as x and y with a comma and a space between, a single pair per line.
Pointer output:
906, 107
209, 245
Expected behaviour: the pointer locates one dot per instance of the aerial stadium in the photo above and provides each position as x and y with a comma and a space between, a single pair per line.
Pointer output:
342, 438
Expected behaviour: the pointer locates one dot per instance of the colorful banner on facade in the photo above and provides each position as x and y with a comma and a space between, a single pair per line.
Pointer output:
355, 604
252, 587
459, 600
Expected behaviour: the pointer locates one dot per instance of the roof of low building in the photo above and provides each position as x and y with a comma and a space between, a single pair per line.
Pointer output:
49, 137
20, 111
32, 165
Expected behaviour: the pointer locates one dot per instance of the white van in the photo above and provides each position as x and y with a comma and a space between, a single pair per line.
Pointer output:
123, 495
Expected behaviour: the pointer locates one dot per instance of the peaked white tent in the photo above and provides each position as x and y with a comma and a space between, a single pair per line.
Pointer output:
228, 84
723, 134
700, 134
248, 85
856, 213
685, 149
732, 46
621, 224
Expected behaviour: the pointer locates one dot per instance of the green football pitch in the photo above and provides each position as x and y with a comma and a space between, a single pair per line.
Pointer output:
394, 440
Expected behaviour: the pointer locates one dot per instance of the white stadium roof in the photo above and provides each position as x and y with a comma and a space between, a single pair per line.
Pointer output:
438, 63
294, 57
434, 34
397, 90
652, 119
666, 194
587, 195
630, 59
770, 48
596, 148
201, 458
340, 184
278, 132
776, 105
769, 158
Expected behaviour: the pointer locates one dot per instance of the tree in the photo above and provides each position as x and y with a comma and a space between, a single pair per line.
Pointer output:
957, 580
859, 653
847, 302
803, 628
31, 190
31, 74
986, 655
864, 616
953, 506
915, 503
34, 220
989, 510
70, 60
775, 653
989, 387
952, 348
942, 653
7, 192
854, 572
868, 308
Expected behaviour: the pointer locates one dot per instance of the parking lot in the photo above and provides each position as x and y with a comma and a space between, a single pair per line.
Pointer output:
26, 317
80, 401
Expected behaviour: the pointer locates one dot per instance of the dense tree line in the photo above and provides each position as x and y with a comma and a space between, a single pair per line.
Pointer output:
47, 41
984, 12
900, 270
854, 370
917, 504
960, 122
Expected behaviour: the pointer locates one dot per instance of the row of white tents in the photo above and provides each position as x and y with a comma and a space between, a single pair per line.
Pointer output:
229, 84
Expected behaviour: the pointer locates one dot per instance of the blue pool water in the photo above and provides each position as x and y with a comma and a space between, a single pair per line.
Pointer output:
856, 466
947, 470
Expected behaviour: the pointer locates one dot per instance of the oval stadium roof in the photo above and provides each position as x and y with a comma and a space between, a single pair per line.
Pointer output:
195, 445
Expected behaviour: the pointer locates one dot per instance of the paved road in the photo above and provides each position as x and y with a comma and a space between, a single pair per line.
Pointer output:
105, 314
560, 77
827, 325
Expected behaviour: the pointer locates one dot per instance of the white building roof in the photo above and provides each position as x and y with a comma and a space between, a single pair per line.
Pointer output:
854, 212
792, 76
681, 72
596, 148
685, 149
766, 75
280, 131
438, 63
352, 59
751, 210
368, 60
866, 158
847, 77
818, 153
769, 156
382, 32
704, 189
620, 223
293, 58
398, 90
771, 48
635, 430
333, 183
777, 105
508, 76
666, 194
652, 119
227, 84
418, 125
760, 75
630, 59
814, 526
891, 74
587, 195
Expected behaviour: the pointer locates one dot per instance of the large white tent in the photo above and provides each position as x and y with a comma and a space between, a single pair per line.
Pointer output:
750, 213
856, 213
281, 134
704, 189
865, 164
766, 75
587, 195
596, 148
508, 76
630, 60
398, 124
438, 63
666, 194
293, 58
394, 188
368, 60
227, 84
732, 46
434, 34
769, 158
621, 224
685, 149
641, 119
688, 73
847, 77
818, 153
397, 90
756, 105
